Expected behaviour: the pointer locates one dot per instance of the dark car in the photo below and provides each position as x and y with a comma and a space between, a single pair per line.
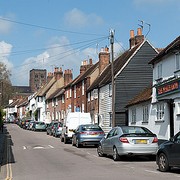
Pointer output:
39, 126
50, 128
87, 134
128, 141
57, 129
168, 154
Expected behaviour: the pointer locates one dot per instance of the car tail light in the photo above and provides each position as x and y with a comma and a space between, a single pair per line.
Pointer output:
155, 140
83, 132
101, 132
123, 140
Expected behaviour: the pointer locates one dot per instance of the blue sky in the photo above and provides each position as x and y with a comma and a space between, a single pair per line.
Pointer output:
36, 34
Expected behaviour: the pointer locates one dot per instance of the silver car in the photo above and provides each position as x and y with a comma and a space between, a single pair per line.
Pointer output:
128, 141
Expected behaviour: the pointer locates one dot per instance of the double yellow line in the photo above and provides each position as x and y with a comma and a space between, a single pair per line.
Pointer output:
8, 160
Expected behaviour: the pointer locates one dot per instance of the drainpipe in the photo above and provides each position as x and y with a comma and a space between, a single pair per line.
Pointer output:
171, 116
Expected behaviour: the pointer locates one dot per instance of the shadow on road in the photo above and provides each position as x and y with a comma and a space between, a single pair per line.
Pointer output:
8, 156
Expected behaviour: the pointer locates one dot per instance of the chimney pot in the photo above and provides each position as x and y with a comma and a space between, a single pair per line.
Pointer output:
139, 31
131, 33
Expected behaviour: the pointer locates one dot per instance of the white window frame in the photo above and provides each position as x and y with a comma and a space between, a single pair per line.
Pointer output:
95, 93
47, 104
56, 101
145, 113
82, 107
70, 92
92, 95
177, 60
159, 71
89, 96
133, 115
178, 108
83, 87
62, 98
74, 91
52, 102
160, 111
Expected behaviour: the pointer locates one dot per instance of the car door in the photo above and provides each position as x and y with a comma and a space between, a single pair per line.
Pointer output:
175, 151
107, 142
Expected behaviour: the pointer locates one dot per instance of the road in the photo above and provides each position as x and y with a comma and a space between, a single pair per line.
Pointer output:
37, 156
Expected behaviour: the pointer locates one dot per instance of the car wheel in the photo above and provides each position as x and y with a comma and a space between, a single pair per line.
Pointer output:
77, 144
73, 143
100, 151
65, 140
115, 154
163, 163
61, 138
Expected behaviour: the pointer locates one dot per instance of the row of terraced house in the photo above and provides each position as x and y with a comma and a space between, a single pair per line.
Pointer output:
146, 89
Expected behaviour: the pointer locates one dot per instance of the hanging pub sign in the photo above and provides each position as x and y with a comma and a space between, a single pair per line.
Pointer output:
168, 88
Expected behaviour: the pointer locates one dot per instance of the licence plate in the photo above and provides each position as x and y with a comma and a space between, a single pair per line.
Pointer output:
141, 141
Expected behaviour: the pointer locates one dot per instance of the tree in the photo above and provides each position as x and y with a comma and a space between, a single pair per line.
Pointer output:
5, 85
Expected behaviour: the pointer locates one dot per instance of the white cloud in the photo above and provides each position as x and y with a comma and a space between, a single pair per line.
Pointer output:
77, 18
58, 54
5, 50
5, 26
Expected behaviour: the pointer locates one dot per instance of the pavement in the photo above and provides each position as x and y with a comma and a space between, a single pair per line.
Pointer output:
2, 144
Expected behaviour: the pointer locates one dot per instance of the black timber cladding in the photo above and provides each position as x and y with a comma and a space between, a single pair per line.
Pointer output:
136, 76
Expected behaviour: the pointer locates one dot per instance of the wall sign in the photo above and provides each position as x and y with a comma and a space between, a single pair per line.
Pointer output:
168, 88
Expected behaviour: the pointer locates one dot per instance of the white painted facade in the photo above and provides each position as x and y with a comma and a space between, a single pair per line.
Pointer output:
105, 108
164, 108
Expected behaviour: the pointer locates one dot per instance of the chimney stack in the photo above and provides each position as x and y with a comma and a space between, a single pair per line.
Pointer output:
104, 58
134, 40
49, 77
85, 65
58, 73
68, 77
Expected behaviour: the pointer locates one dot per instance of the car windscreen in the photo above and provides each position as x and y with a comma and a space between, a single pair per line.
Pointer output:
136, 131
91, 128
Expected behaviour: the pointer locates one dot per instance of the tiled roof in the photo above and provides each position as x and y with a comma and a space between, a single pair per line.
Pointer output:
105, 77
46, 87
173, 45
53, 89
85, 74
22, 102
14, 103
57, 91
143, 96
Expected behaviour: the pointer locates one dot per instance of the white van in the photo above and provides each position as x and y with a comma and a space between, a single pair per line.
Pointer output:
71, 122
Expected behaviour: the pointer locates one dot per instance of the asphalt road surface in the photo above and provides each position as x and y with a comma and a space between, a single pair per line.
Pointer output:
36, 156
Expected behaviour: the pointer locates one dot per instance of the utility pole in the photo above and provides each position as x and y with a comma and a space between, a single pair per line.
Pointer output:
112, 74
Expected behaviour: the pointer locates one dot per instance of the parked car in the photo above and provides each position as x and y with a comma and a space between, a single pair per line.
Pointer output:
57, 129
168, 154
50, 127
25, 122
30, 125
39, 126
87, 134
71, 121
128, 141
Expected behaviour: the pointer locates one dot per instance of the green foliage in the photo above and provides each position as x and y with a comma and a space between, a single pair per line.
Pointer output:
1, 116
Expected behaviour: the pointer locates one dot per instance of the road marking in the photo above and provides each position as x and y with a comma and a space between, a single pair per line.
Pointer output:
38, 147
51, 146
24, 147
156, 172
